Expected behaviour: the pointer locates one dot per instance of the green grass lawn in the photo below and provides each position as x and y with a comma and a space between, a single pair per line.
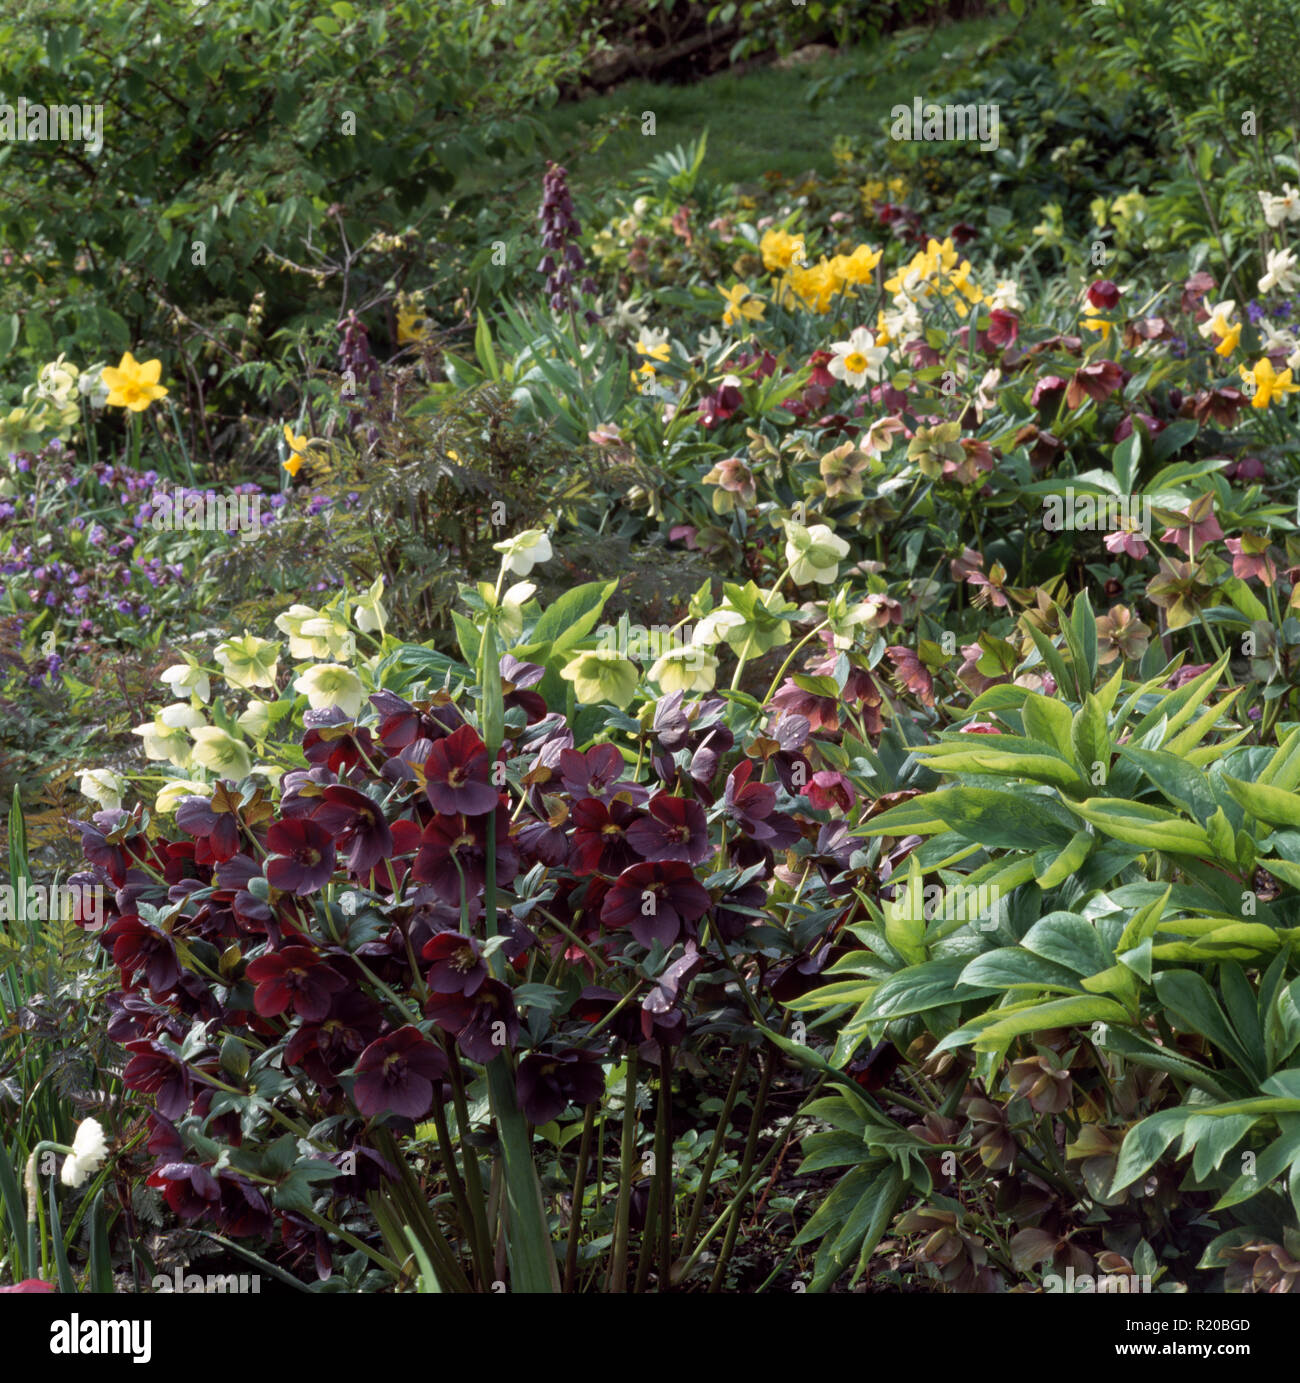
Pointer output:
767, 119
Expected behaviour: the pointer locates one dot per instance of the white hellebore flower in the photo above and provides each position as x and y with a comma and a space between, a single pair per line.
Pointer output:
857, 359
166, 736
371, 617
524, 551
332, 684
1283, 208
813, 553
89, 1149
104, 786
187, 679
712, 629
221, 753
170, 797
685, 669
1279, 265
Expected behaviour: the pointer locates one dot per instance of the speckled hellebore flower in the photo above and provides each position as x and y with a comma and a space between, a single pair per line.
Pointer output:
396, 1075
524, 551
931, 447
303, 858
104, 786
296, 978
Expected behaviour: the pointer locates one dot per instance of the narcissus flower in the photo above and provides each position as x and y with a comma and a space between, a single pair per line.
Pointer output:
1280, 208
858, 359
1279, 272
104, 786
299, 447
814, 553
133, 385
396, 1075
1267, 383
221, 753
248, 661
742, 305
89, 1149
332, 684
601, 675
524, 551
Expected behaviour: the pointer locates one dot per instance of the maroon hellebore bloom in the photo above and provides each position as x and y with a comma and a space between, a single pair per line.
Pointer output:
655, 901
547, 1084
358, 824
303, 856
297, 977
396, 1073
458, 775
676, 829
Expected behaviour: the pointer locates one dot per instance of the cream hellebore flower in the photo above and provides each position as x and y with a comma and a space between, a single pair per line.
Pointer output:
857, 359
524, 551
313, 634
510, 622
813, 554
166, 736
104, 786
188, 679
1283, 208
248, 662
255, 720
370, 615
712, 629
170, 797
221, 753
332, 684
685, 670
1279, 265
601, 675
91, 386
89, 1149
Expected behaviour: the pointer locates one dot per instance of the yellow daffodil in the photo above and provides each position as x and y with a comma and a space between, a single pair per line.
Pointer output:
299, 448
134, 385
1269, 385
742, 305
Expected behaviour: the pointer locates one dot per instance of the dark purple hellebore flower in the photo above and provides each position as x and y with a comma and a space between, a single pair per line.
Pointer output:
303, 859
457, 774
295, 977
548, 1083
676, 829
156, 1071
655, 901
396, 1075
357, 823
